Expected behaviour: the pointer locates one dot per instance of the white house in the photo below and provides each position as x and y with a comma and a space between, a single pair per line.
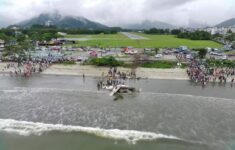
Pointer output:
215, 30
2, 44
232, 29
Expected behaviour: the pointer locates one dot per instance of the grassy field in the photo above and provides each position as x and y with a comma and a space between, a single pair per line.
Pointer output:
118, 36
152, 41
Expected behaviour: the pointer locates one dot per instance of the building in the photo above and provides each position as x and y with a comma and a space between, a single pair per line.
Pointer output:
232, 29
15, 28
216, 30
16, 31
49, 23
2, 45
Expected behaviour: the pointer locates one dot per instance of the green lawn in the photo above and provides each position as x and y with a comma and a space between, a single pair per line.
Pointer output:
99, 36
159, 41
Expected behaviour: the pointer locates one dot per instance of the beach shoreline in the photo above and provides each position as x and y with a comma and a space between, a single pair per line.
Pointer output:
96, 72
93, 71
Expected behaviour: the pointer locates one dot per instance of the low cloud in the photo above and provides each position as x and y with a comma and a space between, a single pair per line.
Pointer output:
116, 13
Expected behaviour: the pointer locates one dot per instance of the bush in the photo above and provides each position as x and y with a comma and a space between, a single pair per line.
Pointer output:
160, 64
201, 52
220, 63
68, 62
106, 61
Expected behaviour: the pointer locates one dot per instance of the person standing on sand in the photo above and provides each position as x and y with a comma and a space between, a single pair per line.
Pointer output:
83, 76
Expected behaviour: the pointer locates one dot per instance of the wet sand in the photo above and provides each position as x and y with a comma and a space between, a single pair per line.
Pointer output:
93, 71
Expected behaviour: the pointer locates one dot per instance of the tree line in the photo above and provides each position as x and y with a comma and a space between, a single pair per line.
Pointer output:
44, 33
162, 31
196, 35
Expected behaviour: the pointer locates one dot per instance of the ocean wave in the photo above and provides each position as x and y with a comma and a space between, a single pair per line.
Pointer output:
35, 90
30, 128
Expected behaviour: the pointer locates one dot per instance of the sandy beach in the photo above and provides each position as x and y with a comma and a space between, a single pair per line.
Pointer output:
93, 71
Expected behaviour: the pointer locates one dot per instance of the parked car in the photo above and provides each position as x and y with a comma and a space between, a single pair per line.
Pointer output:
158, 56
189, 56
216, 54
147, 49
131, 52
79, 58
167, 52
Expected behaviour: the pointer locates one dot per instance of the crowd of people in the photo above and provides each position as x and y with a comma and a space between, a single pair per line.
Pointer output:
199, 72
115, 77
26, 68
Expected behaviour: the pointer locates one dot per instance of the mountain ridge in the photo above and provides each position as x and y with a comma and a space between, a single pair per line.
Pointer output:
227, 23
69, 22
147, 24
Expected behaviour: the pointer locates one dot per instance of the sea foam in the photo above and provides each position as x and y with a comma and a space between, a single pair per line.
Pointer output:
30, 128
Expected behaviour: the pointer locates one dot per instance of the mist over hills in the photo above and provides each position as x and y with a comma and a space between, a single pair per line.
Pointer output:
227, 23
67, 22
147, 24
73, 22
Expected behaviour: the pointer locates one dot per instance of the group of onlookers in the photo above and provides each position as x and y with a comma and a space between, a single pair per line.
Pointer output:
26, 68
198, 72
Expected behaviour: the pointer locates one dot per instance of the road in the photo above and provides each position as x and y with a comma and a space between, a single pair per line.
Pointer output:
134, 36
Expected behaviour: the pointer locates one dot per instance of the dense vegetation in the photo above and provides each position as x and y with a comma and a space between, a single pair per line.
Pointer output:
106, 61
230, 37
86, 31
201, 52
68, 62
162, 31
160, 64
157, 31
220, 63
197, 35
112, 62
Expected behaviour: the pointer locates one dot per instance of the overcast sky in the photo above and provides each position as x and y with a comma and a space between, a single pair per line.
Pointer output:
119, 12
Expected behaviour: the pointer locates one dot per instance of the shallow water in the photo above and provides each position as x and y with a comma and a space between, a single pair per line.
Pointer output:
167, 114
